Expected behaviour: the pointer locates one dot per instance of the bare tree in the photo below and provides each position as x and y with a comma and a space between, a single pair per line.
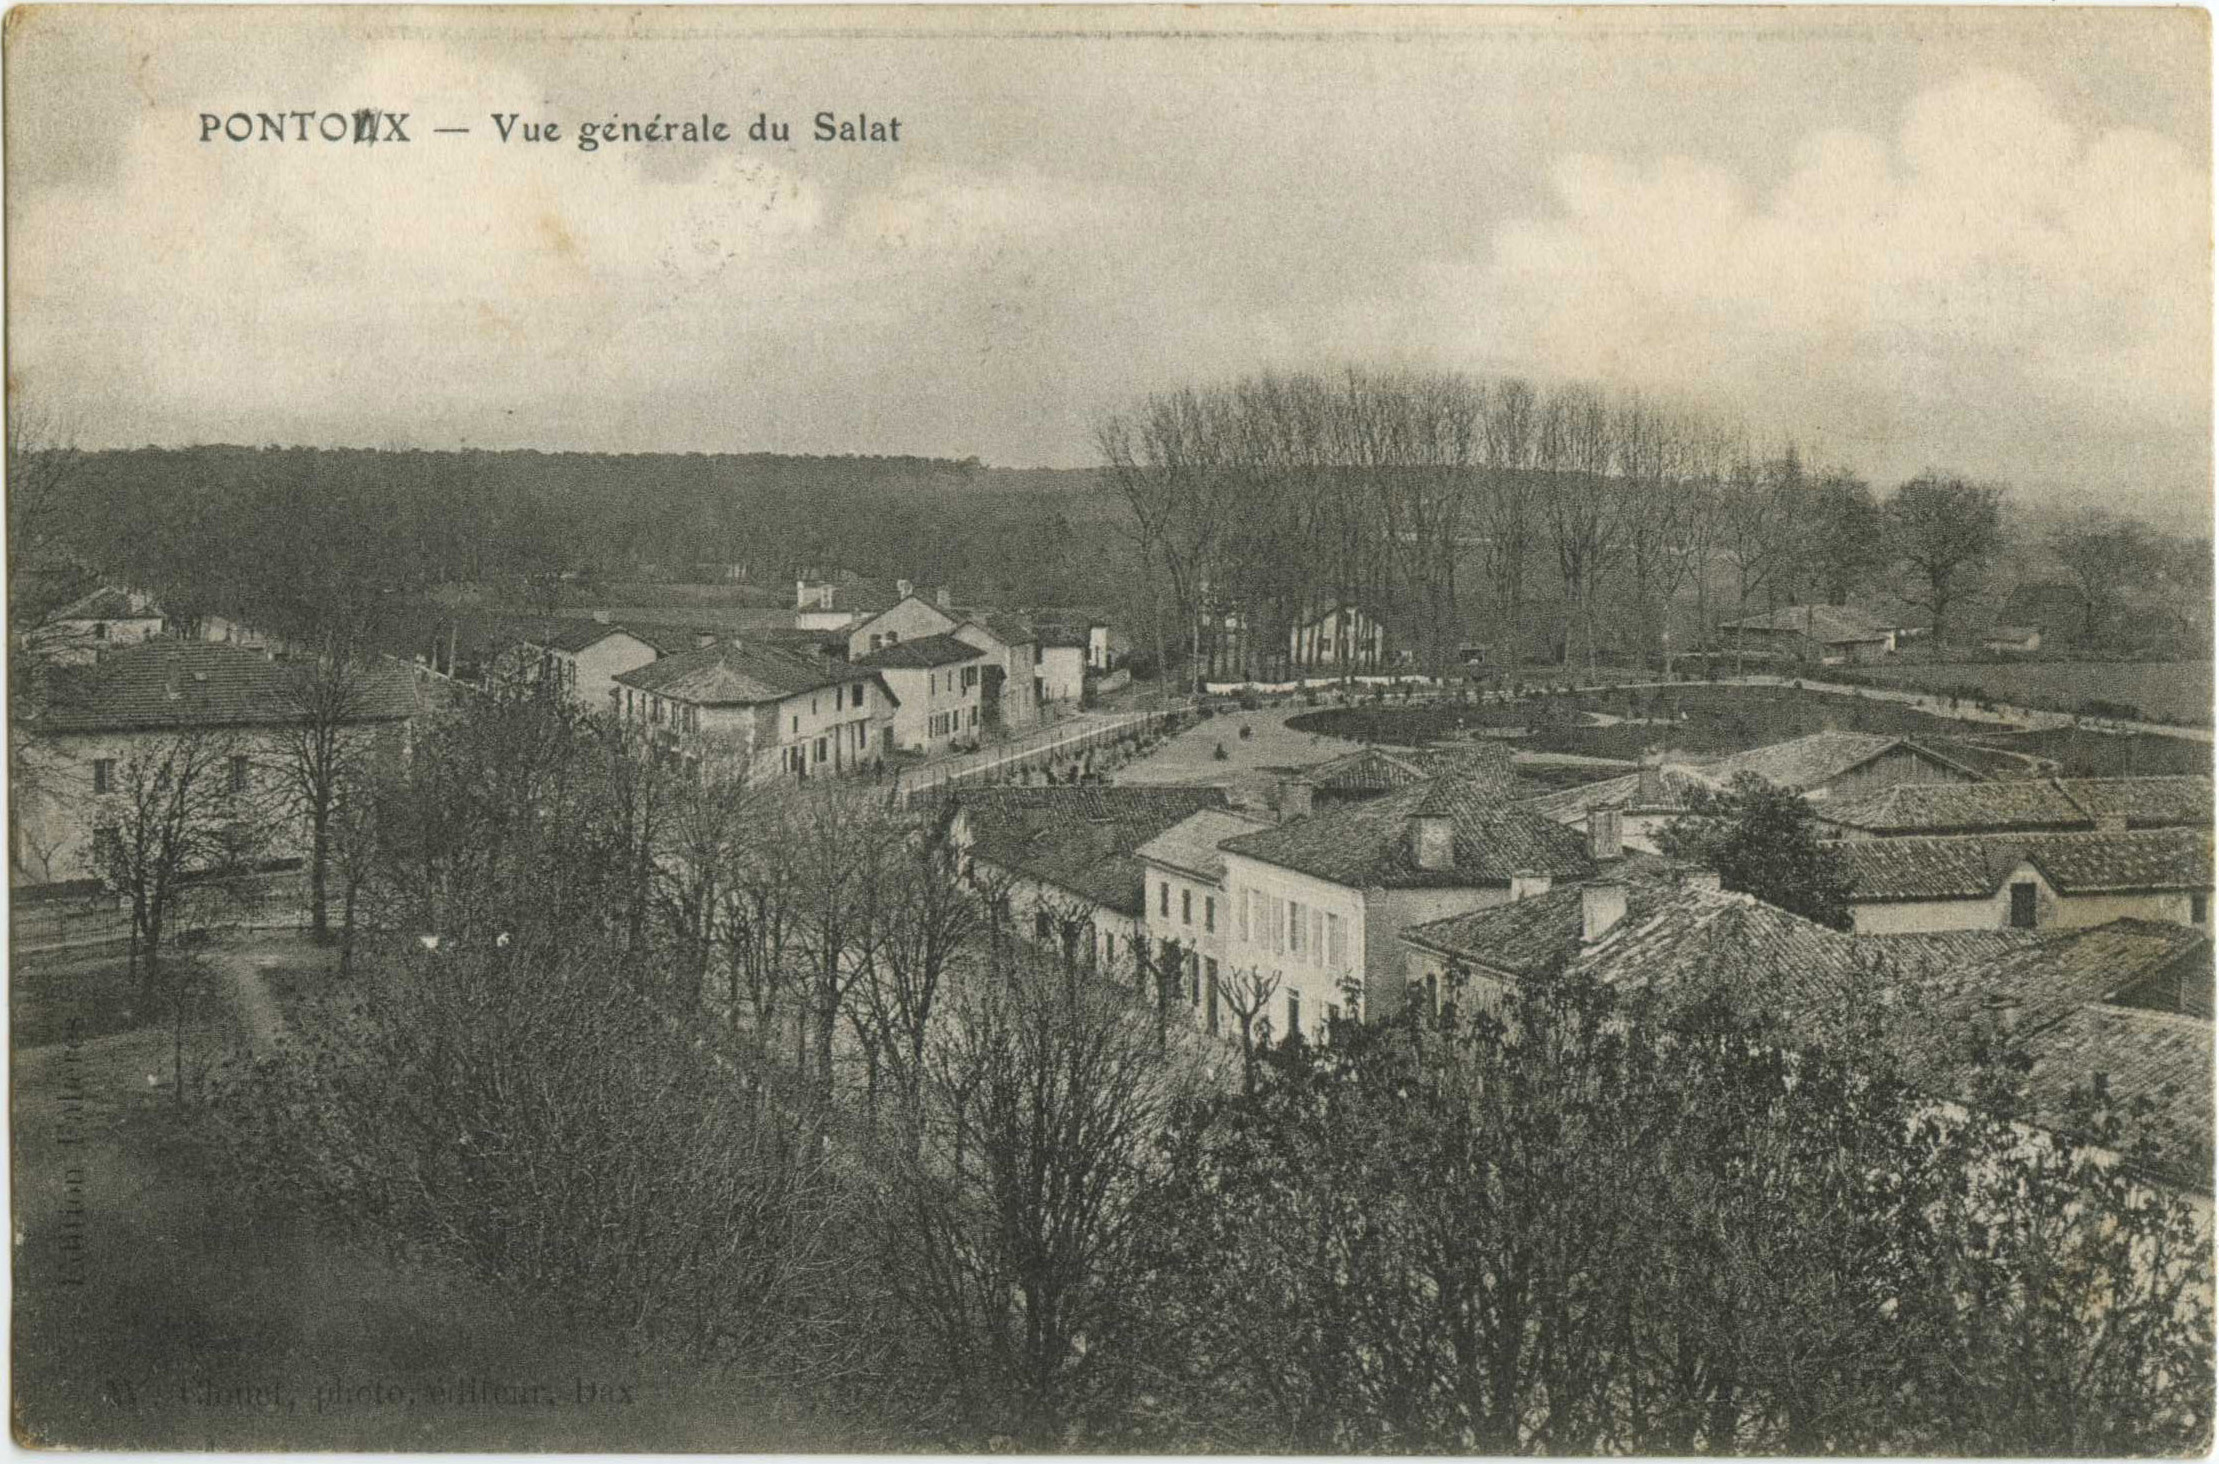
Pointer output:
335, 699
179, 807
1945, 530
2105, 555
1247, 994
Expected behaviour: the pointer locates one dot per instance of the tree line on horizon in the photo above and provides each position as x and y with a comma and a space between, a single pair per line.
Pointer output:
1438, 501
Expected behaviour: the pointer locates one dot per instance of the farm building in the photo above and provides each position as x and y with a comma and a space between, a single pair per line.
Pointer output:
1829, 635
2023, 805
2028, 882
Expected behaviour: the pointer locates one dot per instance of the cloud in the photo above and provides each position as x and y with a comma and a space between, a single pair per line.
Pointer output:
1990, 264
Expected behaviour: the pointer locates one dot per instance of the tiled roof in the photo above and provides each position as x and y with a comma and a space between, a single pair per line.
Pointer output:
859, 595
1010, 630
924, 652
573, 636
1813, 761
1083, 839
2162, 1057
1675, 787
734, 673
2148, 801
2018, 803
2025, 803
1967, 867
177, 683
1191, 844
107, 603
1938, 995
1365, 844
1530, 936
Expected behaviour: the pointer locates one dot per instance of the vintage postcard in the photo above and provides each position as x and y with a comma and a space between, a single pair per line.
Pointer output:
1265, 730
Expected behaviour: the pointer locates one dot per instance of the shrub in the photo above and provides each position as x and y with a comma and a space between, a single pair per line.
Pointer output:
1221, 755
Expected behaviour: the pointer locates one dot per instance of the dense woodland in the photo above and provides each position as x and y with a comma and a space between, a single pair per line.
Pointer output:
1565, 525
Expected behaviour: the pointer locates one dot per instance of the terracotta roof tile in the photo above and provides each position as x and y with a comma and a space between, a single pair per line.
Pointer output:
1191, 844
922, 653
1365, 844
1082, 839
177, 683
733, 673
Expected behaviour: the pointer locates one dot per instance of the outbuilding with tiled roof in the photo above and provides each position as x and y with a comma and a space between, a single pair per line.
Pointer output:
786, 714
2028, 881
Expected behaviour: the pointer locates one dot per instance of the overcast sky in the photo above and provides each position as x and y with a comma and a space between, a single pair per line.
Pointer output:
1977, 239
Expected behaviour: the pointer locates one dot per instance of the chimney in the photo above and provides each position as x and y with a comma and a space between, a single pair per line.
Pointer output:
1294, 798
2006, 1010
943, 597
1526, 886
1699, 879
1603, 838
703, 637
600, 617
1432, 841
801, 594
903, 587
1600, 907
1652, 785
2111, 823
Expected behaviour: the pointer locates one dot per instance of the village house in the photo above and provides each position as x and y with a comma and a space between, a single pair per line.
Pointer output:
911, 617
783, 715
839, 604
1826, 635
1340, 637
1645, 801
1010, 694
2022, 806
1185, 901
1060, 677
1319, 901
1066, 859
94, 624
139, 705
937, 682
2028, 881
581, 660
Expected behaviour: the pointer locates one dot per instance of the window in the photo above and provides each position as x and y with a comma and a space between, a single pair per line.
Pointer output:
1163, 899
100, 630
1294, 927
1041, 926
2199, 909
1294, 1012
2022, 906
1336, 949
238, 775
1240, 911
1209, 912
795, 726
1186, 907
858, 693
104, 777
820, 750
107, 845
1194, 978
1209, 987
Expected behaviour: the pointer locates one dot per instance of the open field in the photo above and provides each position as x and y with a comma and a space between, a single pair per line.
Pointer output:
80, 995
2081, 753
1697, 721
2173, 691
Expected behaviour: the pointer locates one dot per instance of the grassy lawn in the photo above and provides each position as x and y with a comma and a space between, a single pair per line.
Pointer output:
2080, 753
84, 995
1711, 721
1273, 745
2178, 691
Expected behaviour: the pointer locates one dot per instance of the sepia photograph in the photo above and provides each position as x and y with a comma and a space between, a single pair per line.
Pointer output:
1306, 730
